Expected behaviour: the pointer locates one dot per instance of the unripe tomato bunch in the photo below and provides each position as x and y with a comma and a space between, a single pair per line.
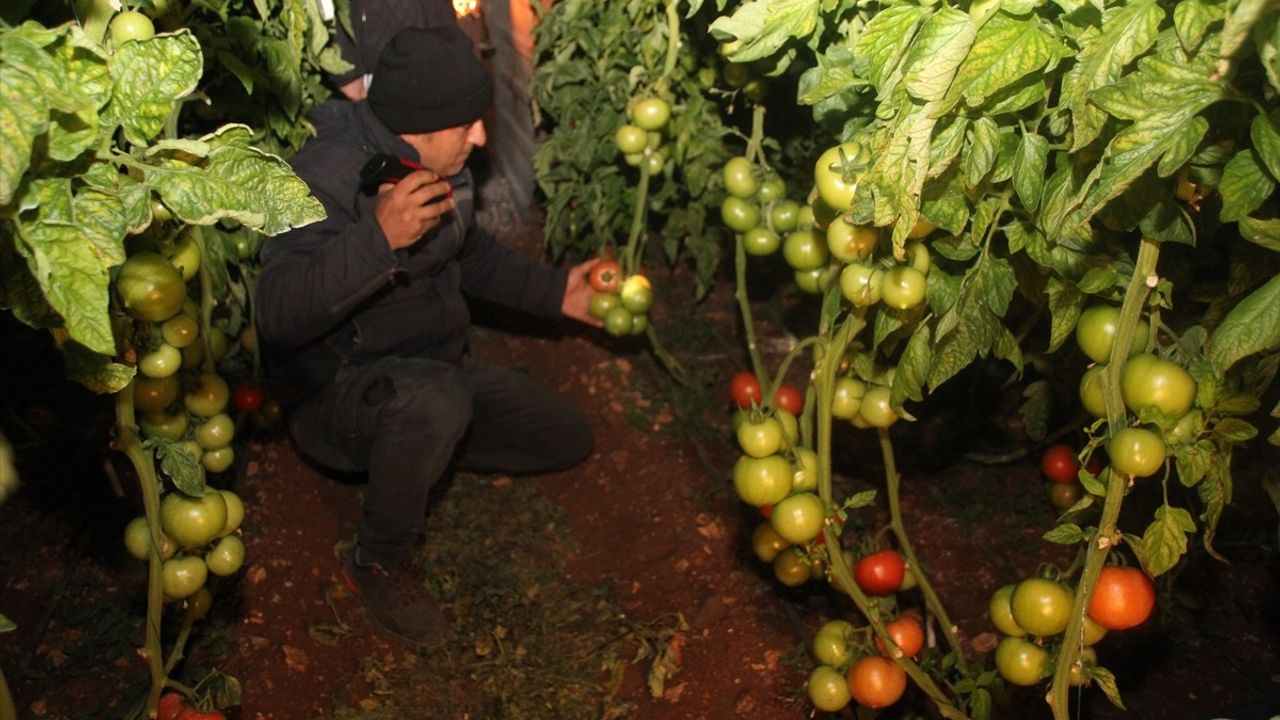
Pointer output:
1158, 392
621, 302
197, 537
642, 140
1032, 614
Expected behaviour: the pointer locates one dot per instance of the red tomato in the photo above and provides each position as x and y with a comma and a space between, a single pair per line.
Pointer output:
247, 398
880, 573
170, 706
1058, 463
744, 388
789, 398
906, 633
877, 682
605, 276
1123, 598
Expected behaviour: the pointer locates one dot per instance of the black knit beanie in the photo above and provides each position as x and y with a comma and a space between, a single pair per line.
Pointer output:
429, 79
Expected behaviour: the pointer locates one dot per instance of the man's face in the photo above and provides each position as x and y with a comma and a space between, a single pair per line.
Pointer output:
446, 151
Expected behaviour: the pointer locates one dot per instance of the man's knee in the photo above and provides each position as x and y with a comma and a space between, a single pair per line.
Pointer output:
418, 395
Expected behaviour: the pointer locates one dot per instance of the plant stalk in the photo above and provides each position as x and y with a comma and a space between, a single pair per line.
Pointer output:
744, 307
1107, 535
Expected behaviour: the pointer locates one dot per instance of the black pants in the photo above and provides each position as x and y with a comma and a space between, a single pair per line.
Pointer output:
404, 420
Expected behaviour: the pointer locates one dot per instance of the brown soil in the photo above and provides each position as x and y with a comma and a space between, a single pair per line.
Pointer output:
652, 517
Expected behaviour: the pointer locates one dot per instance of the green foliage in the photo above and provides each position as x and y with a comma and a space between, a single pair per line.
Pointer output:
70, 191
594, 59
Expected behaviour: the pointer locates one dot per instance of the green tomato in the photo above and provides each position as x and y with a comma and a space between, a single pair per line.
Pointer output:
161, 362
209, 397
1092, 393
226, 557
184, 253
192, 355
654, 162
180, 330
216, 432
805, 478
637, 294
639, 323
762, 481
848, 242
860, 284
1136, 452
150, 288
832, 187
161, 425
193, 522
1021, 662
784, 216
760, 438
651, 114
760, 241
618, 321
736, 74
876, 408
152, 395
1096, 332
1002, 612
1149, 381
803, 250
815, 281
218, 343
739, 178
772, 189
183, 576
235, 512
130, 25
1041, 607
848, 397
630, 139
903, 287
739, 215
828, 690
216, 461
798, 518
792, 567
918, 256
601, 303
137, 540
830, 644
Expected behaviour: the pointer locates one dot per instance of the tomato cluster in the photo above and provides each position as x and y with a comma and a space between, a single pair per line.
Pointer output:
850, 669
642, 140
196, 537
622, 303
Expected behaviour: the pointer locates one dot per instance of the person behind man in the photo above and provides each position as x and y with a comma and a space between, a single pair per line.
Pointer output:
364, 317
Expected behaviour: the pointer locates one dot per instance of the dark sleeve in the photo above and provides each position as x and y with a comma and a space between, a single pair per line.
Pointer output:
313, 277
492, 271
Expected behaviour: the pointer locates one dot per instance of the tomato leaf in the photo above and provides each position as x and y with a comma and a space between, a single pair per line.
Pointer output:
1092, 485
1029, 167
858, 500
1245, 185
183, 468
1165, 540
1252, 326
1193, 461
1265, 133
1215, 492
763, 26
1265, 233
149, 76
936, 53
913, 367
93, 370
1192, 19
980, 704
882, 46
981, 156
1126, 33
6, 625
24, 116
1005, 50
1036, 407
1065, 303
1067, 534
1107, 683
238, 182
1234, 430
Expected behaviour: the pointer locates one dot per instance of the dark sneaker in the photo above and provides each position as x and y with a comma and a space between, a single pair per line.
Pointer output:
398, 601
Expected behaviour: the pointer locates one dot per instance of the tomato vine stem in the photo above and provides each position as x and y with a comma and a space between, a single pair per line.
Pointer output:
1134, 299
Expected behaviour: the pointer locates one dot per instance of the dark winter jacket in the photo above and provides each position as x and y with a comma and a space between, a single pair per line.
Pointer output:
334, 293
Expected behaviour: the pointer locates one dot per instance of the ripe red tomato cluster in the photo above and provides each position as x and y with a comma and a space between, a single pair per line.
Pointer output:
622, 303
745, 390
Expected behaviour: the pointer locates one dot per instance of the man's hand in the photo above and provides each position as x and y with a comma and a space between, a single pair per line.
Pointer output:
577, 294
408, 209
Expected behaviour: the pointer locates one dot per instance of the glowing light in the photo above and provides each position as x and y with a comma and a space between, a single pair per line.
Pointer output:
463, 8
